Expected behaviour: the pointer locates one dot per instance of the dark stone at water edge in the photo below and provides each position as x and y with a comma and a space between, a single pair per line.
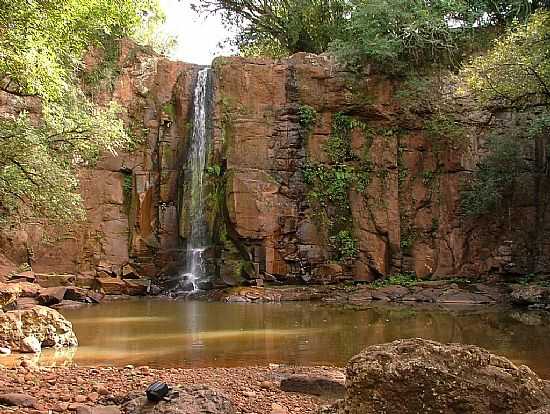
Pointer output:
192, 400
329, 385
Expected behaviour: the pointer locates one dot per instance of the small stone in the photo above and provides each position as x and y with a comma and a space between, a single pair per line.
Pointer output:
80, 398
266, 385
61, 406
249, 393
278, 409
101, 389
5, 350
274, 366
93, 396
144, 369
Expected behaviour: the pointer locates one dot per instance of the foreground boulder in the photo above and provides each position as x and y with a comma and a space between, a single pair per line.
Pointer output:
192, 400
417, 376
22, 330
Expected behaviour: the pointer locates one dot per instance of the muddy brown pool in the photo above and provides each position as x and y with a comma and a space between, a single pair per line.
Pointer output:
162, 333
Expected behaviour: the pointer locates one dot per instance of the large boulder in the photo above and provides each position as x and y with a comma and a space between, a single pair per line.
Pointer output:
47, 326
417, 376
191, 400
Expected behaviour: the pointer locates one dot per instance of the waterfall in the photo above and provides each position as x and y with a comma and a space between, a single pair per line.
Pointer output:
197, 239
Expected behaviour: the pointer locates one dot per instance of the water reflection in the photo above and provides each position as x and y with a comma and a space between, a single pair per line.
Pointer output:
176, 333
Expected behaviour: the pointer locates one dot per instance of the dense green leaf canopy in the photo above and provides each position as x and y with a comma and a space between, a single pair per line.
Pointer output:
516, 70
281, 26
42, 43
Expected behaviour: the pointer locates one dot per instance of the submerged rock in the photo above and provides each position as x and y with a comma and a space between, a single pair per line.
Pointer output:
191, 400
47, 326
417, 375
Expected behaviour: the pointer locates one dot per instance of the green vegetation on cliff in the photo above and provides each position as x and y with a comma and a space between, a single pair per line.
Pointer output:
52, 127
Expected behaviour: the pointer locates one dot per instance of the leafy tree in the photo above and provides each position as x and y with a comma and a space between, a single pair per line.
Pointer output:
516, 71
496, 174
515, 76
281, 26
42, 43
401, 33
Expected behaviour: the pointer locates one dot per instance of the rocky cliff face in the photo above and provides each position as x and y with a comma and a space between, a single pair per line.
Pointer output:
274, 158
131, 199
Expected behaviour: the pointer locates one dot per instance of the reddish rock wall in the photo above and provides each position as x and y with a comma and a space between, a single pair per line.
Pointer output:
407, 219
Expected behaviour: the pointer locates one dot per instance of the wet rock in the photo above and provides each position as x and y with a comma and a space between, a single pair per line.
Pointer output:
68, 304
424, 294
530, 295
390, 293
82, 295
417, 375
191, 400
76, 294
18, 400
135, 288
112, 286
332, 384
463, 297
51, 296
129, 272
47, 325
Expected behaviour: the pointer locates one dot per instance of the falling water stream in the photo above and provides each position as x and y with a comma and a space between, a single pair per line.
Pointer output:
197, 239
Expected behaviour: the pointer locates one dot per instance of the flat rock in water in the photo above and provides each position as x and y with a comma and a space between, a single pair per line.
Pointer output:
191, 400
18, 400
51, 296
332, 384
68, 304
416, 376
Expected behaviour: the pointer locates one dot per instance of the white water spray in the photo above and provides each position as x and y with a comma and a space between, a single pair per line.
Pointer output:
195, 271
